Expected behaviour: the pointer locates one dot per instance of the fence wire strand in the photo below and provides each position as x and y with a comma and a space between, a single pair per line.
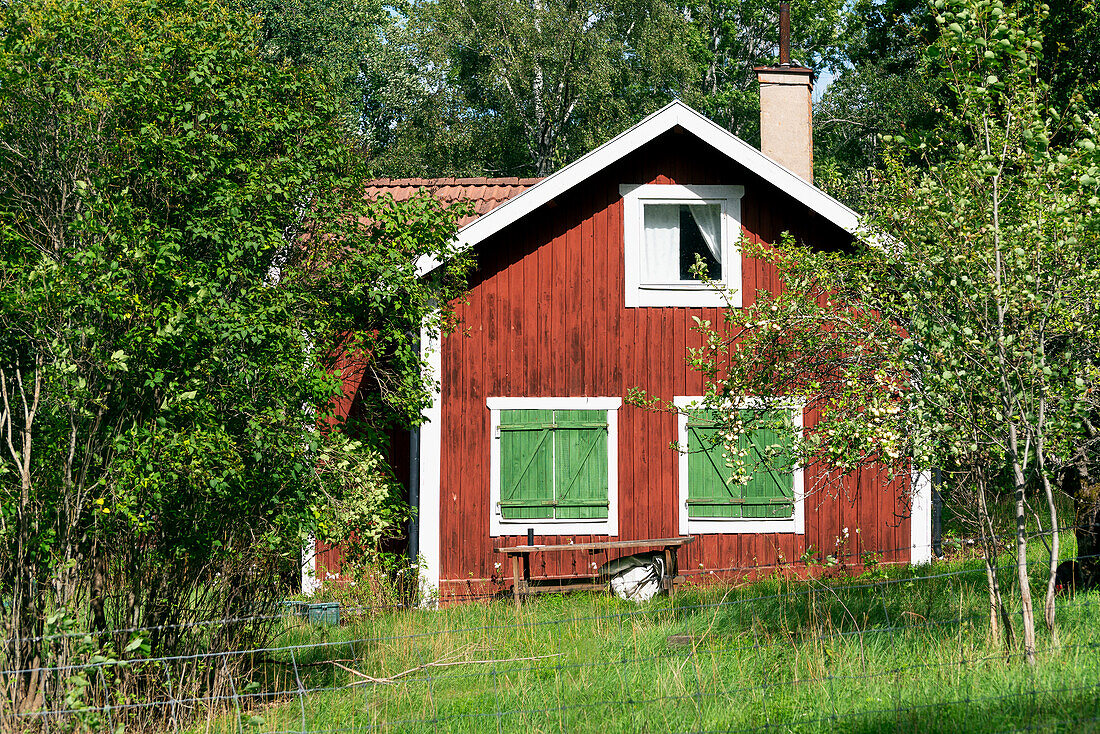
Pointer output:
828, 620
812, 586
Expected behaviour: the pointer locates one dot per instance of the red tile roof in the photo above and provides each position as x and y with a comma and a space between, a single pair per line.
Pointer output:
485, 193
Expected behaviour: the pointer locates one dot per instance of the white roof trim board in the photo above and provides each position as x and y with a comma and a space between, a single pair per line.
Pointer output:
673, 114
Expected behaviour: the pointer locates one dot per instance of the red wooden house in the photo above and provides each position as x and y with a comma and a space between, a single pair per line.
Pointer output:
581, 293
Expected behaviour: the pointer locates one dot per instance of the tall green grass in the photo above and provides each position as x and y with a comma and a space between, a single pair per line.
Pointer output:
900, 653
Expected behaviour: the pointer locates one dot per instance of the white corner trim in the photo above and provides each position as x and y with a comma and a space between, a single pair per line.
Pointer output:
698, 295
498, 526
795, 524
920, 518
675, 113
430, 456
310, 582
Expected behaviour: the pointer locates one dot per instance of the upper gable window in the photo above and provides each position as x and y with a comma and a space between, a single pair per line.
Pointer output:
668, 228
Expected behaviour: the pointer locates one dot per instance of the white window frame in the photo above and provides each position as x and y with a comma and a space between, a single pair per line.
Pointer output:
795, 524
498, 526
681, 293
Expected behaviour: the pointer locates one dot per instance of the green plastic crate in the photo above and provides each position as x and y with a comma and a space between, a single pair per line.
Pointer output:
325, 612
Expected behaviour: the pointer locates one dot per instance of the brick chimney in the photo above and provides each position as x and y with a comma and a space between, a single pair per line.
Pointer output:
786, 119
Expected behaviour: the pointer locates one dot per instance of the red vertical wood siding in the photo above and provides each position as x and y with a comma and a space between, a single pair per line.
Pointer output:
545, 317
329, 559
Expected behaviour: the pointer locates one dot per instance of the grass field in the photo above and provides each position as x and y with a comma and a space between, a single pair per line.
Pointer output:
900, 653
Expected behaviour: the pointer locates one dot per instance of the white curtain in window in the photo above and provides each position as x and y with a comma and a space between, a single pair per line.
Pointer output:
709, 219
661, 253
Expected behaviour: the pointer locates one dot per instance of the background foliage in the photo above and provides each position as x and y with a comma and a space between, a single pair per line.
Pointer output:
185, 255
885, 85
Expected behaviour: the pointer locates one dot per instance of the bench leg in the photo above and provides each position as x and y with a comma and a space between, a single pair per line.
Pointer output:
670, 572
516, 580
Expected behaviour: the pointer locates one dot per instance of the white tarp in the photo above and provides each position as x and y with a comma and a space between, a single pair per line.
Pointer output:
636, 578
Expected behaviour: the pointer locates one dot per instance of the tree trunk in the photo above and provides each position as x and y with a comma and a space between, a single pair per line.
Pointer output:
1027, 608
1010, 408
1055, 547
97, 598
996, 599
994, 602
1086, 517
1087, 531
18, 408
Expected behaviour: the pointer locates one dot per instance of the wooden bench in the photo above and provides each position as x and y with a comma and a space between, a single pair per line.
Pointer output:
521, 564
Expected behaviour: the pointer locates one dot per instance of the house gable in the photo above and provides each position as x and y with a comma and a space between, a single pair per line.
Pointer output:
676, 116
598, 207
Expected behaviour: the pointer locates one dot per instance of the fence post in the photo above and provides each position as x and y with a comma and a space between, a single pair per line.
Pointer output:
301, 689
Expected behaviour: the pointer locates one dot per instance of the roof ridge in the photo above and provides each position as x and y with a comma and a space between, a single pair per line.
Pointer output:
455, 181
485, 194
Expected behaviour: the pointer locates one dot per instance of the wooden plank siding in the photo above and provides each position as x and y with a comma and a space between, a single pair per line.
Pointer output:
545, 317
353, 403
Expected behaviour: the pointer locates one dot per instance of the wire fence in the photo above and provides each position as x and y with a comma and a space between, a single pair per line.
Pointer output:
803, 591
912, 651
755, 569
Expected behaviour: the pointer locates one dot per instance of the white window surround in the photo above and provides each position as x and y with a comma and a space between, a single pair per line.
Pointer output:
795, 524
498, 526
680, 293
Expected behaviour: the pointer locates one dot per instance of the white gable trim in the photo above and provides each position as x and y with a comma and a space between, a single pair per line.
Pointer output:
673, 114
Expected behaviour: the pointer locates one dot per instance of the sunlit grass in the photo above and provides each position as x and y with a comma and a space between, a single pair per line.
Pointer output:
901, 653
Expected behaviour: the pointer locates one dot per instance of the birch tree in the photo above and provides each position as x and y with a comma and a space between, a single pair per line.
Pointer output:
958, 330
554, 79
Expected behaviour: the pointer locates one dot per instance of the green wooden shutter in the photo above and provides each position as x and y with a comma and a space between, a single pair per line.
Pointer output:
710, 494
768, 494
526, 464
553, 464
580, 464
